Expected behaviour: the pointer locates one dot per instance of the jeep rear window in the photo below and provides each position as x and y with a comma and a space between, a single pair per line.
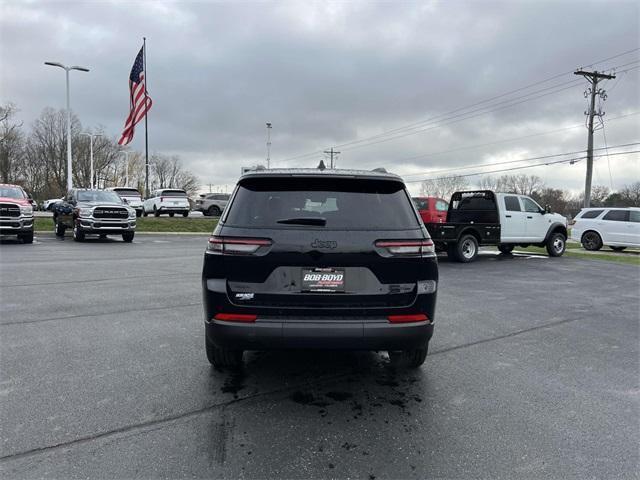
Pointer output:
350, 204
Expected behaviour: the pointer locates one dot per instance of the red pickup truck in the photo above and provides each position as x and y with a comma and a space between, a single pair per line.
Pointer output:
431, 209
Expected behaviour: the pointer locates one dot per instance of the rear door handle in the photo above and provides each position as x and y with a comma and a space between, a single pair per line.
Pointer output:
529, 216
508, 216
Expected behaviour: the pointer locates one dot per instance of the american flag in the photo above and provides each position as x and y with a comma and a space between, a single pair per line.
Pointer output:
140, 100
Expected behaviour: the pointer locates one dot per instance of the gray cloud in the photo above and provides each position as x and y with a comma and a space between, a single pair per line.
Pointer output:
328, 73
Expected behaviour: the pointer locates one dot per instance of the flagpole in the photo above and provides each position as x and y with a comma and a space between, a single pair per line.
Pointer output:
146, 133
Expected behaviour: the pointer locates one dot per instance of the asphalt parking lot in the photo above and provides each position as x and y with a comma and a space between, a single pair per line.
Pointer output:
532, 373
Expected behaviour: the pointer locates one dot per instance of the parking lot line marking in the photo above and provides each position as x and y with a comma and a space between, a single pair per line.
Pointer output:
98, 280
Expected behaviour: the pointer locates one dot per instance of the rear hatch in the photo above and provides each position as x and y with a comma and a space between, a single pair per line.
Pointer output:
346, 245
174, 198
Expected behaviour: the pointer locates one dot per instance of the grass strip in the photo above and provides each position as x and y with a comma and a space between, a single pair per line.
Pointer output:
151, 224
629, 258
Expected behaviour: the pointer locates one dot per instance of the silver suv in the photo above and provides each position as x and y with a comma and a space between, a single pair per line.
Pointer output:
212, 204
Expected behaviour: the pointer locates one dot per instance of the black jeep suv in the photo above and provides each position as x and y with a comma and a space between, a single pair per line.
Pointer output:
329, 259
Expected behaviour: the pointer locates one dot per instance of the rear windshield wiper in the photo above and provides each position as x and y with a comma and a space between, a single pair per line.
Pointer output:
304, 221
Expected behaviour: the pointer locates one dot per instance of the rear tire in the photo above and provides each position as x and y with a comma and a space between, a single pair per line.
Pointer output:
409, 358
128, 236
26, 237
591, 241
171, 214
467, 249
78, 234
617, 249
138, 213
506, 249
144, 213
213, 211
156, 213
185, 214
219, 357
556, 244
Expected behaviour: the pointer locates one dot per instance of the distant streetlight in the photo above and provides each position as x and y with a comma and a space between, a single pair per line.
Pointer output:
268, 144
67, 69
91, 136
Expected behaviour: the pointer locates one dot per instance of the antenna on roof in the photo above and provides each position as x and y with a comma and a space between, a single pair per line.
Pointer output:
321, 165
380, 170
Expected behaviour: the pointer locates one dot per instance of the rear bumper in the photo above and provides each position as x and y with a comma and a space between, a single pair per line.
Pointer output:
274, 334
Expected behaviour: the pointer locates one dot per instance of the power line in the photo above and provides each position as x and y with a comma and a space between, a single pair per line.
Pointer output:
480, 165
507, 162
416, 124
511, 139
566, 160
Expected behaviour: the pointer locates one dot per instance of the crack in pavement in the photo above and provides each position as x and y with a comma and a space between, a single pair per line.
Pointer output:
100, 280
159, 423
41, 320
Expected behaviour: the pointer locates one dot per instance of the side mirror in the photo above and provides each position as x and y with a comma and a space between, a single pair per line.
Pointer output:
547, 209
124, 200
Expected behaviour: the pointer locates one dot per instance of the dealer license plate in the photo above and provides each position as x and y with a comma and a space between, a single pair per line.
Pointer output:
322, 280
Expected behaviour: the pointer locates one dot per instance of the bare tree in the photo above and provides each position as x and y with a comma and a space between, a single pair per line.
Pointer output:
11, 145
521, 184
443, 187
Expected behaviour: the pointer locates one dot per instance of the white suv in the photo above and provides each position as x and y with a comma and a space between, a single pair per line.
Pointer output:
616, 228
167, 200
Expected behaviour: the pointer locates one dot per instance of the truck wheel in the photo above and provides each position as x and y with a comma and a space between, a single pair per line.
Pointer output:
185, 214
219, 357
59, 229
128, 236
138, 213
505, 248
617, 249
171, 214
409, 358
26, 237
213, 211
78, 234
144, 212
556, 244
467, 249
156, 213
591, 241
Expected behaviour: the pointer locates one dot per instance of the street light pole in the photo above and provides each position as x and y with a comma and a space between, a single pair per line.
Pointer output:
67, 69
91, 136
268, 145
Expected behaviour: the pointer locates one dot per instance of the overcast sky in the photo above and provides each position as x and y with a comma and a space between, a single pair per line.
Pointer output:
329, 73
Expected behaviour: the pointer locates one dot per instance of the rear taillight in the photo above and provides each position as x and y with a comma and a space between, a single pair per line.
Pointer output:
236, 246
162, 199
572, 222
408, 248
235, 317
418, 317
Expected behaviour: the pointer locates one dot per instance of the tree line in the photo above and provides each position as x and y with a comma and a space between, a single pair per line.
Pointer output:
560, 201
36, 158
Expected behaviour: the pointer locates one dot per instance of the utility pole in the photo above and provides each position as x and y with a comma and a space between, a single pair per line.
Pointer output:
593, 78
332, 153
268, 145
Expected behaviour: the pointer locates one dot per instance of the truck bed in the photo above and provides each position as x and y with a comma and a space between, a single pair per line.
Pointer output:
487, 233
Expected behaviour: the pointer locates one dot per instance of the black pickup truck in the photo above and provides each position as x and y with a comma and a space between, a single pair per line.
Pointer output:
94, 212
482, 217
